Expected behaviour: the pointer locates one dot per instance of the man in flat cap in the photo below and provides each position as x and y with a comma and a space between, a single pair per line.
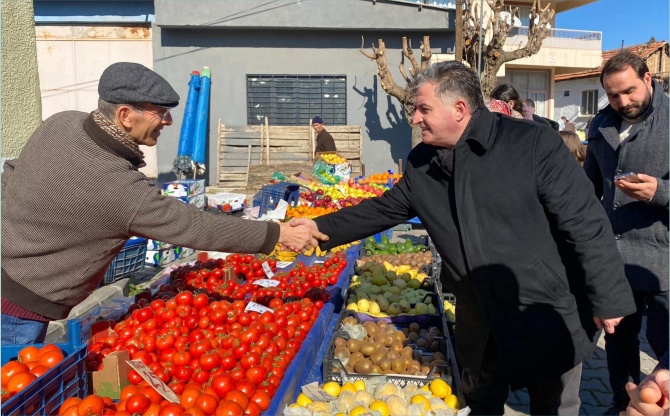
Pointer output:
75, 196
324, 141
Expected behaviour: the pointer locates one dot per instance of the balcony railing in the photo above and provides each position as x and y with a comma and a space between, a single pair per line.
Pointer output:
440, 4
560, 38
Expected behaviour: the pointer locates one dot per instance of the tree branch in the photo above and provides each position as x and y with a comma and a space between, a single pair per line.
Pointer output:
363, 52
425, 53
402, 68
409, 53
385, 77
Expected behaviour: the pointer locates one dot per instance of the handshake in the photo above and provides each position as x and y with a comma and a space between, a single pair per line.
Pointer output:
300, 234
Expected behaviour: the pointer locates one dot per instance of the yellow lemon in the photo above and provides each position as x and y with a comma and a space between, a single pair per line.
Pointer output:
294, 405
359, 384
357, 411
452, 401
425, 388
303, 400
419, 398
332, 388
340, 414
440, 388
380, 406
348, 387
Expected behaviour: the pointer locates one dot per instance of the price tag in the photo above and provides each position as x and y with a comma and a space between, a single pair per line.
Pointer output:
268, 270
314, 393
282, 264
153, 380
342, 190
255, 307
318, 261
267, 283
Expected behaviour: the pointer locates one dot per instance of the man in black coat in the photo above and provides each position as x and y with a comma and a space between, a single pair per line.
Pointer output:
631, 135
526, 247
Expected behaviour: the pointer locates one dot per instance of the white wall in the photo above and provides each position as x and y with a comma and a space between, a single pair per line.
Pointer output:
570, 106
70, 60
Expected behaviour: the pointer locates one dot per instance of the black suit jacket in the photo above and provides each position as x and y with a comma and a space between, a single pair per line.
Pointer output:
539, 249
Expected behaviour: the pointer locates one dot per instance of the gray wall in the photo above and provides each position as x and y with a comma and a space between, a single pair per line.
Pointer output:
232, 53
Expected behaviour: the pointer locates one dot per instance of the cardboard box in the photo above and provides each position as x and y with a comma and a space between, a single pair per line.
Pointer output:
185, 187
157, 245
183, 252
113, 377
199, 201
217, 201
160, 257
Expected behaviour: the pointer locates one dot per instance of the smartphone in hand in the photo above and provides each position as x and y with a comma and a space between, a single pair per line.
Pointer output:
628, 177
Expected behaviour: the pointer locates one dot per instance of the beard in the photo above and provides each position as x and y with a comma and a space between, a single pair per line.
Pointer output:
635, 110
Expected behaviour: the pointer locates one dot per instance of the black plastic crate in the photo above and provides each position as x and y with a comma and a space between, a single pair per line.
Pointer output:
333, 369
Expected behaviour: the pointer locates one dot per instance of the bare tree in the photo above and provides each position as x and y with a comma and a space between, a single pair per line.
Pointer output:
403, 95
493, 54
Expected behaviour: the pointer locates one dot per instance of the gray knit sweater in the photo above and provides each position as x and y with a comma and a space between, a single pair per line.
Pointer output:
71, 201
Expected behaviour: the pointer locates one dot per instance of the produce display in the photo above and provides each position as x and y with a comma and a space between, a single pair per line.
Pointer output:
387, 349
31, 364
386, 247
386, 292
316, 251
355, 398
381, 178
333, 159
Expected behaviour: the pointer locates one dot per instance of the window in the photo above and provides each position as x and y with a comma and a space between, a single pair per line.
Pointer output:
589, 103
530, 84
292, 100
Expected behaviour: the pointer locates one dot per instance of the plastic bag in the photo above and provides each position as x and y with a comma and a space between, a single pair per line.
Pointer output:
324, 173
296, 411
356, 332
280, 177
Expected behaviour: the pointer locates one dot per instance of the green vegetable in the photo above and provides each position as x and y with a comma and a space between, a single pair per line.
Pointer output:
385, 239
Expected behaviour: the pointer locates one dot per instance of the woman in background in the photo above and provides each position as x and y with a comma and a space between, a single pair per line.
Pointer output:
505, 99
574, 143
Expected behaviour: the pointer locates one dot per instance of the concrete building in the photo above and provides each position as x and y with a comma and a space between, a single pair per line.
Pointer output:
262, 53
77, 40
579, 95
20, 95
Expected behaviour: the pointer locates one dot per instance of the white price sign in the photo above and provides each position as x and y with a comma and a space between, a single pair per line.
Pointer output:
255, 307
281, 264
342, 191
268, 270
314, 393
153, 380
267, 283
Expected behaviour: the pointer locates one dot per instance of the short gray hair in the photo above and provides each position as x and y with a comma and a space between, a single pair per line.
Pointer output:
529, 103
108, 109
454, 80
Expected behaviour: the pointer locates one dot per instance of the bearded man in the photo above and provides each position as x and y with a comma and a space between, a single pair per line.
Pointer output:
627, 161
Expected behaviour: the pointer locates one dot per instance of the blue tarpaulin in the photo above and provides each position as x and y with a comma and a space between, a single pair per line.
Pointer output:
201, 117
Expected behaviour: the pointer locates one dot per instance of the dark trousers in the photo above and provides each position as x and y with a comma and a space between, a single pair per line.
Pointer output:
488, 394
623, 347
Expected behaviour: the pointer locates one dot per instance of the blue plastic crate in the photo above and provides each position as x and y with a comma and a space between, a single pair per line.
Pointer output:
272, 194
66, 379
130, 260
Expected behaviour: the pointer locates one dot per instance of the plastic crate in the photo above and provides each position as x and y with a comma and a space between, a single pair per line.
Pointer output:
66, 379
272, 194
130, 260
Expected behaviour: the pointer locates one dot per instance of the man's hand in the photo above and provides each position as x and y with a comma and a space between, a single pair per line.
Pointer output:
642, 191
299, 235
650, 398
608, 324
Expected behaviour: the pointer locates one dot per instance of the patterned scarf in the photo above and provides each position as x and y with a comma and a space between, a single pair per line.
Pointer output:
499, 106
113, 130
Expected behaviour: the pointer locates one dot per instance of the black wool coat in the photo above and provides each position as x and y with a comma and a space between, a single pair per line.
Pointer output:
538, 249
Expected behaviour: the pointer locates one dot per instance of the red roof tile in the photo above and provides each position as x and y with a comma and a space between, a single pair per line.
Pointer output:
643, 49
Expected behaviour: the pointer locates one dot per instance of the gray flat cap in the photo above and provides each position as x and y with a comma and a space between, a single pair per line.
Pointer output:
127, 83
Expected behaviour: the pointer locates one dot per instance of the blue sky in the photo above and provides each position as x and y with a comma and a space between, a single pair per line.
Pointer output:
633, 21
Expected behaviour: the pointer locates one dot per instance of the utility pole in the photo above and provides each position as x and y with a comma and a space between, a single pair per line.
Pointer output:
459, 31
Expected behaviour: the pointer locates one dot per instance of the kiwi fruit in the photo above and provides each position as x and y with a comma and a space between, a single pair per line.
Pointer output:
412, 337
437, 362
405, 332
438, 356
421, 343
415, 366
417, 356
371, 328
379, 344
414, 327
385, 365
355, 357
398, 365
398, 336
341, 352
348, 369
363, 366
382, 324
408, 351
423, 332
354, 345
378, 356
376, 369
388, 341
393, 355
339, 341
425, 370
425, 360
367, 349
388, 372
351, 321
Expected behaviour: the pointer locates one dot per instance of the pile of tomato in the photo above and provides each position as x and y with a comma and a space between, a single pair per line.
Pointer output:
31, 363
218, 358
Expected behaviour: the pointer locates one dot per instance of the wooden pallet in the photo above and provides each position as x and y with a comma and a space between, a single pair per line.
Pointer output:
246, 154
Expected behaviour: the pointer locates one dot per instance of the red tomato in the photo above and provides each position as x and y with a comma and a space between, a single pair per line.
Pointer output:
238, 397
229, 408
256, 374
246, 387
222, 384
262, 399
137, 404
